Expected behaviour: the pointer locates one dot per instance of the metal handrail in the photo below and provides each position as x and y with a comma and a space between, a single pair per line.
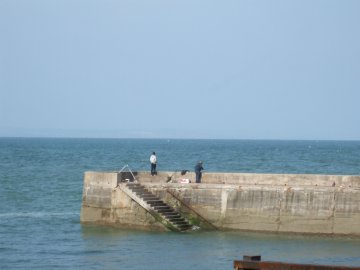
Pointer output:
127, 166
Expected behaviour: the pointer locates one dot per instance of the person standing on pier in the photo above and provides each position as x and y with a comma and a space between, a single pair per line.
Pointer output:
153, 161
198, 169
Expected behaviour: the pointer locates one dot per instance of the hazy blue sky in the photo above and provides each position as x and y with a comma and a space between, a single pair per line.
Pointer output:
180, 69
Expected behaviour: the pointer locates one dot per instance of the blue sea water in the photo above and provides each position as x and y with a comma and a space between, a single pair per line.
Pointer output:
41, 188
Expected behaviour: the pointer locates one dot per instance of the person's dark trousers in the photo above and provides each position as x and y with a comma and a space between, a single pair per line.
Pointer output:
153, 169
198, 177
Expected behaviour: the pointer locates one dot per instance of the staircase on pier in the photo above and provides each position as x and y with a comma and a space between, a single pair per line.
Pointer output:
162, 212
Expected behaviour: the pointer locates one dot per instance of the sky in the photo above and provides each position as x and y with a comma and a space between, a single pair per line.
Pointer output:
180, 69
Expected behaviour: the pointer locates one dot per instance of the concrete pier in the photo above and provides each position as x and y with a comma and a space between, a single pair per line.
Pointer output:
288, 203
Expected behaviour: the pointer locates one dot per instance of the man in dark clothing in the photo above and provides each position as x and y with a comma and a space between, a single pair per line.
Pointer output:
198, 169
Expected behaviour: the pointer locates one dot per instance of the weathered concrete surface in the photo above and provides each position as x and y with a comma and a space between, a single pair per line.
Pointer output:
256, 202
257, 179
103, 203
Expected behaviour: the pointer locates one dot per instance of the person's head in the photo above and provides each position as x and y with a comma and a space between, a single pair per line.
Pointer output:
200, 162
153, 153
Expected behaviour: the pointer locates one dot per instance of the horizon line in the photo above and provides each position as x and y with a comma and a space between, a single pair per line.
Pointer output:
170, 138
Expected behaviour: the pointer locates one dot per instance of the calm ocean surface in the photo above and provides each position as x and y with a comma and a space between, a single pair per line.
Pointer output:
41, 189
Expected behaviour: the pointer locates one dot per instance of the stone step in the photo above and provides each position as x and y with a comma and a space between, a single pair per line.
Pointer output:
180, 223
140, 191
136, 190
134, 186
157, 203
169, 214
176, 220
147, 195
184, 227
148, 198
165, 211
172, 215
162, 207
142, 195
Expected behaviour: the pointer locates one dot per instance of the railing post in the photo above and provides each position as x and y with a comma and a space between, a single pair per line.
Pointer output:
253, 258
249, 258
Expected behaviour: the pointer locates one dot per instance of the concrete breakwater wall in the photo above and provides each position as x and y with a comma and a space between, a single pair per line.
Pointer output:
313, 204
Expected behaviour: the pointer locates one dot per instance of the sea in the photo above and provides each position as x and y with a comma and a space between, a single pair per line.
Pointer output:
41, 181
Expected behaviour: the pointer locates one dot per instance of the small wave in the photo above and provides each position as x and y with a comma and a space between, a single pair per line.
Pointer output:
38, 214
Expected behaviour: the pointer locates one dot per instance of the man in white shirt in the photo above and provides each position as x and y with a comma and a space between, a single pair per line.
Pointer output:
153, 163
